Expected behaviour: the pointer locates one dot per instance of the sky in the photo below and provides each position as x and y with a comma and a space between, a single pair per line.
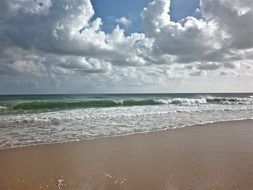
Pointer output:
126, 46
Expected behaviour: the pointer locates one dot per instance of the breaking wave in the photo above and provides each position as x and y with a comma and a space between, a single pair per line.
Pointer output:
81, 104
37, 105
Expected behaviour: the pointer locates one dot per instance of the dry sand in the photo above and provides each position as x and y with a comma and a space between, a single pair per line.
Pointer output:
212, 156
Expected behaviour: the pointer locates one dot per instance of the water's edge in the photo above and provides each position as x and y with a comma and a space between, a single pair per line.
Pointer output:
123, 135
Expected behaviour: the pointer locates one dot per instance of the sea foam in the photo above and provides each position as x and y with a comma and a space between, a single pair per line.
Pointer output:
75, 124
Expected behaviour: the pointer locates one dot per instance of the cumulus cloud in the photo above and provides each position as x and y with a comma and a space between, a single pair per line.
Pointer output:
123, 21
235, 18
62, 28
48, 38
214, 40
189, 36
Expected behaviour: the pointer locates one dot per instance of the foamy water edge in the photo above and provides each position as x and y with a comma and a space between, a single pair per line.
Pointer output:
122, 135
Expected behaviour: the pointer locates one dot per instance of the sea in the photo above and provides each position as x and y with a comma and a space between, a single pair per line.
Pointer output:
44, 119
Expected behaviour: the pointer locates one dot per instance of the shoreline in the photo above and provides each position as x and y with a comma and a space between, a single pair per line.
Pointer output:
123, 135
204, 156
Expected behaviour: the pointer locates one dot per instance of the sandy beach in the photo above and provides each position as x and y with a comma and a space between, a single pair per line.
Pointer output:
212, 156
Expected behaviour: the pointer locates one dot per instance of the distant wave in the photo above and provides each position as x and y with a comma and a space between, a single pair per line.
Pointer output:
209, 100
182, 101
81, 104
230, 100
37, 105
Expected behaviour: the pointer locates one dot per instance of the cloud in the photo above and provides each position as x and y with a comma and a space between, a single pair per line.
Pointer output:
208, 66
224, 73
81, 65
16, 61
198, 73
59, 29
232, 65
123, 21
61, 39
210, 40
234, 18
189, 37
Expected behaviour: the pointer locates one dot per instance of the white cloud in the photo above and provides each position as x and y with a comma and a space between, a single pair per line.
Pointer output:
63, 38
66, 29
123, 21
189, 37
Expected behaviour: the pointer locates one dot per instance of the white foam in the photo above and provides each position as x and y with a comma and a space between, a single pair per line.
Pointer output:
70, 125
187, 101
182, 101
205, 100
3, 107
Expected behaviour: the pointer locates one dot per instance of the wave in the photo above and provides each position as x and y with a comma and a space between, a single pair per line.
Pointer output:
230, 100
181, 101
81, 104
206, 100
37, 105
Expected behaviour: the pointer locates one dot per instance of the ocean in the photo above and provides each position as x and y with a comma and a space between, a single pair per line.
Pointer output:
43, 119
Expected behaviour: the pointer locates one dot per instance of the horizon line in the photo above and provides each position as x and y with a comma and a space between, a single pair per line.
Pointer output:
116, 93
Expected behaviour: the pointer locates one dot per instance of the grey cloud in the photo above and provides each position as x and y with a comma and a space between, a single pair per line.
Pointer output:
224, 73
232, 65
82, 65
197, 73
16, 61
209, 66
235, 17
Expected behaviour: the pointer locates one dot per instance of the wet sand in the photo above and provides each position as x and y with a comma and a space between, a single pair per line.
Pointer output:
212, 156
